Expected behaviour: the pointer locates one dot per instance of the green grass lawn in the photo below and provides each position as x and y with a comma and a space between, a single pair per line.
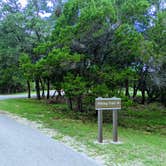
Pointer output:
142, 130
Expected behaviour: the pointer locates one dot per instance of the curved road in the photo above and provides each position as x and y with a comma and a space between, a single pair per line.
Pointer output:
15, 96
3, 97
21, 145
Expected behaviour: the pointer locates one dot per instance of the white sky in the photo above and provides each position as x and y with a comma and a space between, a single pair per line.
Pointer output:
23, 2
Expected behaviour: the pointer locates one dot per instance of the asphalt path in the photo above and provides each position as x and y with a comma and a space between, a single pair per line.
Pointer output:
15, 96
3, 97
21, 145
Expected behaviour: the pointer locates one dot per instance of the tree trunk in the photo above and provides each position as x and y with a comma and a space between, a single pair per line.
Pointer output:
48, 88
37, 89
143, 96
29, 89
59, 92
143, 90
70, 103
58, 97
135, 89
43, 88
79, 104
127, 88
163, 96
8, 91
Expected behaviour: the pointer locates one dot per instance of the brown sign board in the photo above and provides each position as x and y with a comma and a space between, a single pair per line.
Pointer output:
107, 103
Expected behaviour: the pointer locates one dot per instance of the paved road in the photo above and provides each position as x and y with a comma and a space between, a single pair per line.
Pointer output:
14, 96
22, 146
3, 97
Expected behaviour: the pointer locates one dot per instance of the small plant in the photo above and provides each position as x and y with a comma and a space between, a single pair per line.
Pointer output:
127, 102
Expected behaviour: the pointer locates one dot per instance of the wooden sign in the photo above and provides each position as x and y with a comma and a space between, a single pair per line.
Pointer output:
108, 103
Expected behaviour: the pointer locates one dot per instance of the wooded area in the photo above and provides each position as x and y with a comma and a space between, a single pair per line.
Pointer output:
88, 48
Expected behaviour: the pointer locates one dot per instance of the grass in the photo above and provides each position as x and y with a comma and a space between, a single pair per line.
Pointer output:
142, 130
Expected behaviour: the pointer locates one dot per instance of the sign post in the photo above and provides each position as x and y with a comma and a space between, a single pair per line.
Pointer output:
115, 126
113, 104
100, 126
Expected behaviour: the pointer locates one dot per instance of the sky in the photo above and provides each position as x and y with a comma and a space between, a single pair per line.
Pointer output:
23, 2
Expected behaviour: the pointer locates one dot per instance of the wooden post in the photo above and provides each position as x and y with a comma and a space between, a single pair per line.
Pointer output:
115, 125
108, 104
100, 121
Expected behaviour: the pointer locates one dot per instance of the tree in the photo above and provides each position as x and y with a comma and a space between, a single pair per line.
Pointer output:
74, 89
54, 66
27, 27
11, 44
157, 64
27, 69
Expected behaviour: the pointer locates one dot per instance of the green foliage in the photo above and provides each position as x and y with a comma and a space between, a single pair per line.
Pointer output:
127, 102
156, 79
99, 41
20, 31
75, 89
74, 85
26, 66
57, 62
126, 45
91, 19
134, 9
157, 33
100, 90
